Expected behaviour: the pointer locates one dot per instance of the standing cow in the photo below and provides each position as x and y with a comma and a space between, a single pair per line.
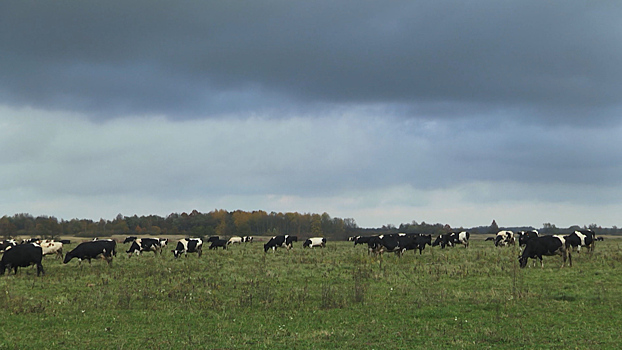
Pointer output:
314, 242
22, 255
188, 245
91, 250
545, 246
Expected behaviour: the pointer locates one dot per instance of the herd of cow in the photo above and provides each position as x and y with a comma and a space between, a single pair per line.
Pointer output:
31, 252
533, 245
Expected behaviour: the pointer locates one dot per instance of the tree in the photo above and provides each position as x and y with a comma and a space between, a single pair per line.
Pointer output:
494, 228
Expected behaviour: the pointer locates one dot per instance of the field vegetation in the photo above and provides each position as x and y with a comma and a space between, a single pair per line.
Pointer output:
333, 298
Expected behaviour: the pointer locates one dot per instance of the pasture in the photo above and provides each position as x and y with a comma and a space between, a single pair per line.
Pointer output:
332, 298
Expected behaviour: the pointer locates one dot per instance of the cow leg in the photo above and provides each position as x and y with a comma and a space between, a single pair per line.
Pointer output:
40, 269
200, 252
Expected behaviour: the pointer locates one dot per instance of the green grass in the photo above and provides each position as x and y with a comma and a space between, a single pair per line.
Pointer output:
333, 298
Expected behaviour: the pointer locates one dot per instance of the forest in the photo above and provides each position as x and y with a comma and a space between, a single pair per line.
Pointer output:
220, 222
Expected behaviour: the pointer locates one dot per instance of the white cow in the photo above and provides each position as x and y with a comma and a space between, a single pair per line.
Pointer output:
52, 247
234, 240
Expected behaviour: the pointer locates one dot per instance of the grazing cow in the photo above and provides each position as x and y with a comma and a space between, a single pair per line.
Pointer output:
504, 238
52, 247
598, 239
129, 239
461, 238
489, 239
188, 245
545, 245
314, 242
235, 240
580, 238
145, 245
22, 255
285, 241
525, 236
213, 239
396, 243
6, 244
91, 250
444, 240
247, 239
217, 243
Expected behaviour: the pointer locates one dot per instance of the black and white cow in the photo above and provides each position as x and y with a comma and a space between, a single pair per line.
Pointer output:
22, 255
140, 245
580, 238
218, 243
6, 244
461, 238
188, 245
247, 239
444, 240
525, 236
91, 250
545, 246
314, 242
285, 241
504, 239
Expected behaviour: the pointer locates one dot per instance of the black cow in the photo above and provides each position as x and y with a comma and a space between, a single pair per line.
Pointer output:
599, 239
489, 239
218, 243
545, 245
580, 238
419, 242
285, 241
525, 236
188, 245
91, 250
362, 239
145, 245
22, 255
109, 244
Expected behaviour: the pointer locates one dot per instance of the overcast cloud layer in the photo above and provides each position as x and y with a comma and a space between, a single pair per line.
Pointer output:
385, 112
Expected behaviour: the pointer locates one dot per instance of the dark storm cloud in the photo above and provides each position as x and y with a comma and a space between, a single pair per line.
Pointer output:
549, 61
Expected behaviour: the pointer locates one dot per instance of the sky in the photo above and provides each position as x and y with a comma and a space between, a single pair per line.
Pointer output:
453, 112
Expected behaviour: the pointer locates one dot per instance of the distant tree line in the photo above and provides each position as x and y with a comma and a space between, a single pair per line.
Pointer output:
237, 223
195, 224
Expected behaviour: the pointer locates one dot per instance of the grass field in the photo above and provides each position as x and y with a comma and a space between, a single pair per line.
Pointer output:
332, 298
